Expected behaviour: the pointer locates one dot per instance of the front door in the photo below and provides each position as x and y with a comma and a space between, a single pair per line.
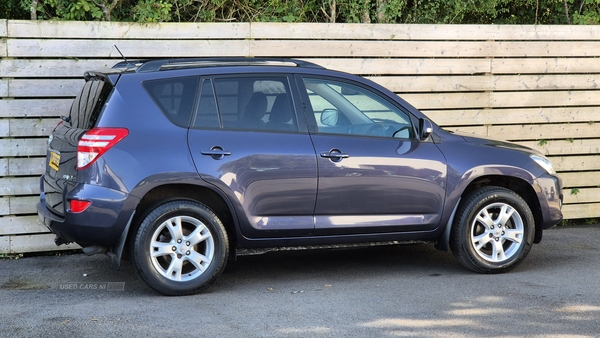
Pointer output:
375, 175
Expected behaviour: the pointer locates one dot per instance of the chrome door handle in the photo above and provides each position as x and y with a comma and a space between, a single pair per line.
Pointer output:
335, 155
216, 152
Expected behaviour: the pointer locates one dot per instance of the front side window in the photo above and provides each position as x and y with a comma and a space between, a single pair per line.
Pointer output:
344, 108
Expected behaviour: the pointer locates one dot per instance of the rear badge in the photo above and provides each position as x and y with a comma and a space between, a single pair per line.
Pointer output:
54, 160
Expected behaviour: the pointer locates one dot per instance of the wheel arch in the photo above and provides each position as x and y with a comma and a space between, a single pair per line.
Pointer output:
168, 192
518, 185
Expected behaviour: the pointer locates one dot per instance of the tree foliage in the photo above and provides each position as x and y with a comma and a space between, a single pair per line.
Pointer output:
366, 11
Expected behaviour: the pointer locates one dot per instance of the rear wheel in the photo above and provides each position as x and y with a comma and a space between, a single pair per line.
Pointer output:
493, 230
180, 248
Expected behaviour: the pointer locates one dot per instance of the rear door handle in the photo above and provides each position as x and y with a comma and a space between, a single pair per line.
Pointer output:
216, 152
335, 155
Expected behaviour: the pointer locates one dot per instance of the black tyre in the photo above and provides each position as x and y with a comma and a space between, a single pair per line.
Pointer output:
180, 248
493, 230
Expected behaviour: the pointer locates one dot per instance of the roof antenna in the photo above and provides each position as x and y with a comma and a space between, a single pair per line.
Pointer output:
123, 56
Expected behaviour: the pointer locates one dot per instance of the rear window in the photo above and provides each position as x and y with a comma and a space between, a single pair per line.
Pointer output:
87, 105
174, 97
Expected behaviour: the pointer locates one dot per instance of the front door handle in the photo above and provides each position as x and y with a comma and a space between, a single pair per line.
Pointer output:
335, 155
216, 152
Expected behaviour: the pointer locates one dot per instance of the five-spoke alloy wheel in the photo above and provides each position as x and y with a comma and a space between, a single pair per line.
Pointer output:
180, 248
493, 230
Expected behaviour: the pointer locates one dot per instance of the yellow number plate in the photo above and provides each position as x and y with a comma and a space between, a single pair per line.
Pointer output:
54, 160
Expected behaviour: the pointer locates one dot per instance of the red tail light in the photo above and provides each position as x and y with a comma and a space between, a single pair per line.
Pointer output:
96, 142
79, 206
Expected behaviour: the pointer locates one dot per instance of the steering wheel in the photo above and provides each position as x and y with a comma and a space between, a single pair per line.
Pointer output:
377, 129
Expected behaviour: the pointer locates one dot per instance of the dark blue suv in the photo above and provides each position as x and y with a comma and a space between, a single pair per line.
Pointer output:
182, 164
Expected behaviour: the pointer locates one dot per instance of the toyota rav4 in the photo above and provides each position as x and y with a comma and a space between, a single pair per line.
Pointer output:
182, 164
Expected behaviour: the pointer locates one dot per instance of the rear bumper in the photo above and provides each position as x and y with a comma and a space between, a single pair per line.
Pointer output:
102, 223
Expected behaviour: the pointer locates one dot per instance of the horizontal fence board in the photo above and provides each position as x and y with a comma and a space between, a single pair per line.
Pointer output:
26, 166
4, 206
447, 100
76, 67
4, 127
3, 166
4, 244
583, 195
16, 186
576, 163
449, 83
3, 87
544, 131
3, 28
18, 68
425, 66
545, 99
352, 31
124, 30
502, 99
30, 127
20, 205
16, 225
34, 243
545, 65
578, 211
3, 48
514, 116
44, 87
581, 179
23, 147
35, 107
367, 66
130, 48
445, 49
565, 147
264, 30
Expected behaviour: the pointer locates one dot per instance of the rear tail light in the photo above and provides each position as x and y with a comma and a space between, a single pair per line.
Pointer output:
96, 142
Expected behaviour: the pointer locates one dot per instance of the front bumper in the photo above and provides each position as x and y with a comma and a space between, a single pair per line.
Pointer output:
550, 196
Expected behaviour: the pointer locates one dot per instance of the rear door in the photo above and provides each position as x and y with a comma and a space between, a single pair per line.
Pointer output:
246, 140
374, 174
61, 159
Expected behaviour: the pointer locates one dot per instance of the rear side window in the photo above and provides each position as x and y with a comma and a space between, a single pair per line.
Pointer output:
175, 97
247, 103
87, 105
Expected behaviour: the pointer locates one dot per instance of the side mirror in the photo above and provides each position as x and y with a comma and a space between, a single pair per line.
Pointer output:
329, 117
425, 129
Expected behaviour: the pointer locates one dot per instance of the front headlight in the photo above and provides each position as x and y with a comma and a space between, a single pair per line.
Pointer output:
543, 162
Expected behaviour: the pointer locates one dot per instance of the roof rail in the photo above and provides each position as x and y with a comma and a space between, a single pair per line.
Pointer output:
186, 63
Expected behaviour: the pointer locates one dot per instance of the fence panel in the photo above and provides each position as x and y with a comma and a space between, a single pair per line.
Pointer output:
536, 85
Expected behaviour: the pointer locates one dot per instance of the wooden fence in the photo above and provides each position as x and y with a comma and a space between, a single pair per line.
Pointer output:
536, 85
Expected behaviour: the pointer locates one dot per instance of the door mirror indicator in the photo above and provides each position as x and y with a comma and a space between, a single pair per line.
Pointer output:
425, 129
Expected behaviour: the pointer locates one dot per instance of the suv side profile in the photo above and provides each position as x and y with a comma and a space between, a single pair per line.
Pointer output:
185, 163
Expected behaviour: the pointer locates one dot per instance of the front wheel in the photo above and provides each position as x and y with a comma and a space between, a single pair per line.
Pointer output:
180, 248
493, 230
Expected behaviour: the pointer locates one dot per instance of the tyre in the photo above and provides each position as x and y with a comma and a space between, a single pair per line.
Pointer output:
180, 248
493, 230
